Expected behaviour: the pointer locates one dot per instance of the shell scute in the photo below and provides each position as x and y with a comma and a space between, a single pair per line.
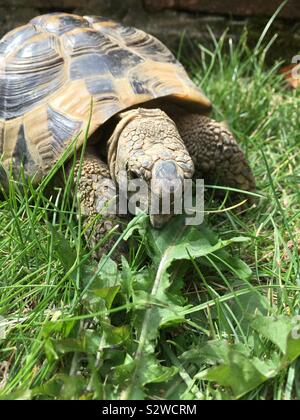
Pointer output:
59, 23
16, 38
94, 53
60, 67
31, 74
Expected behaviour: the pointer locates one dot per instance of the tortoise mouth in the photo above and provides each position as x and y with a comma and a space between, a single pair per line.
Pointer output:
167, 178
166, 189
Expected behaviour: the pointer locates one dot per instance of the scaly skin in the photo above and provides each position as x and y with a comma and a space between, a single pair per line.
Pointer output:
96, 191
215, 152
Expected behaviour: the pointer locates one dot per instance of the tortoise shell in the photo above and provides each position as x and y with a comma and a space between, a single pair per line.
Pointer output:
59, 66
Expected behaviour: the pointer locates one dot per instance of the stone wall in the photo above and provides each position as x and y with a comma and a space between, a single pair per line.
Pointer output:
234, 7
170, 19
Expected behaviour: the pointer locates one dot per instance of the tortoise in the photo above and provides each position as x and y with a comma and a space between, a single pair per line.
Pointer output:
148, 118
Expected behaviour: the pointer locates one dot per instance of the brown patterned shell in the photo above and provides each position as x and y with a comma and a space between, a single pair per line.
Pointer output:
53, 68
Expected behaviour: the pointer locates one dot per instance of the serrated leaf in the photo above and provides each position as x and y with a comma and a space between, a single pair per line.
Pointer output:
108, 276
167, 312
232, 263
215, 351
293, 347
107, 293
88, 342
62, 386
247, 305
276, 329
240, 374
64, 327
127, 278
150, 372
179, 242
115, 335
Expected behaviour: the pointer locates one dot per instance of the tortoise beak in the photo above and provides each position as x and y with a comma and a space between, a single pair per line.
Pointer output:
166, 186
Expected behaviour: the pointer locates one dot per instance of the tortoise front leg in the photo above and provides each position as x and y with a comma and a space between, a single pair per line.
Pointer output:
97, 196
215, 152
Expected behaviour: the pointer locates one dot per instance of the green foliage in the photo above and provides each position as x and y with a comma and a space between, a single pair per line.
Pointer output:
205, 312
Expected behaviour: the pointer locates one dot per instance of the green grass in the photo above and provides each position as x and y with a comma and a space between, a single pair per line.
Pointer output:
205, 315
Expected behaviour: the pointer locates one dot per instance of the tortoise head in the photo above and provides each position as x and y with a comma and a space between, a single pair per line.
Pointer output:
147, 147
